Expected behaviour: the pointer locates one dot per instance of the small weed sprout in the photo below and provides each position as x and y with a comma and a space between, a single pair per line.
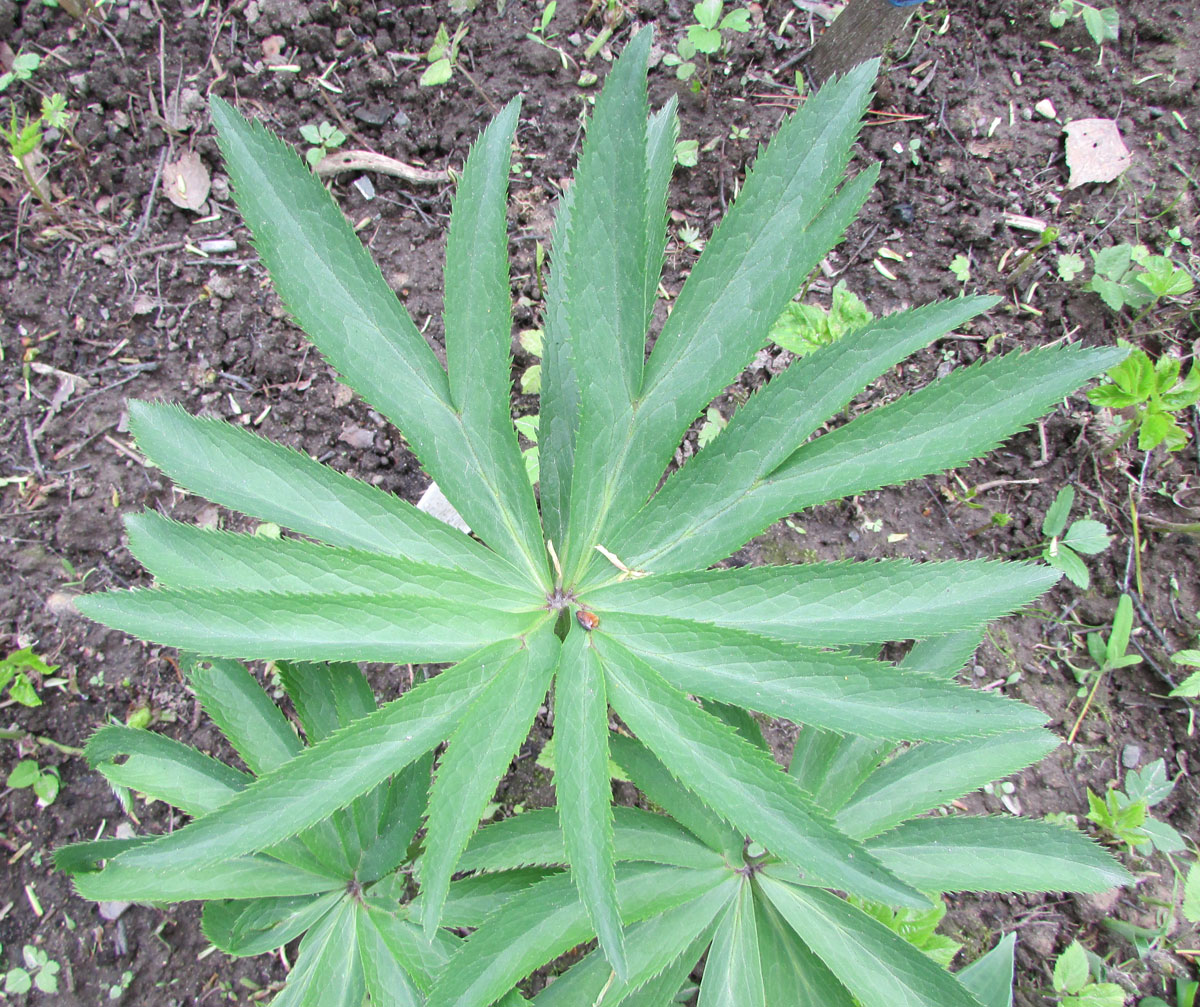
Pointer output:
442, 56
1150, 393
1065, 544
322, 139
1102, 24
44, 782
1109, 655
40, 971
1073, 981
803, 328
705, 38
24, 66
1124, 816
14, 675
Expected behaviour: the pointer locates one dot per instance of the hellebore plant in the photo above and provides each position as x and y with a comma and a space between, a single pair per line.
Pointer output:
606, 593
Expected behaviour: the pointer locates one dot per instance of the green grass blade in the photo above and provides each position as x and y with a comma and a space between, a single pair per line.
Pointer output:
792, 974
605, 284
662, 951
163, 768
248, 473
827, 604
661, 134
654, 780
583, 789
251, 877
244, 927
535, 838
356, 321
733, 970
544, 921
478, 319
237, 704
266, 626
876, 965
478, 755
937, 772
328, 971
730, 774
770, 427
328, 775
182, 556
824, 688
996, 854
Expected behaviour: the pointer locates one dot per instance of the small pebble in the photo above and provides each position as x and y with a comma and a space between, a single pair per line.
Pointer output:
1131, 755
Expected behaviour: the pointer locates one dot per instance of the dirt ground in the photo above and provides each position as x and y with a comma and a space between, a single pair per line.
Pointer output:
112, 288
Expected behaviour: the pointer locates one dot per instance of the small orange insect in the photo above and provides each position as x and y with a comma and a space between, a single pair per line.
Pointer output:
588, 620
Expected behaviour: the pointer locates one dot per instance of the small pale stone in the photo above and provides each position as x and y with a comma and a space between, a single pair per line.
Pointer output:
1131, 755
1045, 108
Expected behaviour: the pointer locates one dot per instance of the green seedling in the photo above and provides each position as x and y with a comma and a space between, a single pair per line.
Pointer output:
1151, 393
39, 972
321, 139
442, 56
917, 926
960, 266
1074, 984
1129, 276
705, 38
1191, 894
1069, 266
687, 153
24, 66
1125, 815
23, 138
1189, 688
601, 591
803, 328
44, 782
1085, 536
543, 23
1109, 655
117, 990
1103, 24
14, 675
713, 424
1047, 238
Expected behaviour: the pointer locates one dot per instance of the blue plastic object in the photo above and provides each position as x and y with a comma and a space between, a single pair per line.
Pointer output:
905, 3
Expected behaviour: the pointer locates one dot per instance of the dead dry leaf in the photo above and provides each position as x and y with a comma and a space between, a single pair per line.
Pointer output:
272, 50
1095, 151
186, 181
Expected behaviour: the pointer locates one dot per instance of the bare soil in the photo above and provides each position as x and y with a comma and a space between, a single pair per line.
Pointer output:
108, 286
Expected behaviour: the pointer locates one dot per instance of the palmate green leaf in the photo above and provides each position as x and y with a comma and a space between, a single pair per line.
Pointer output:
185, 556
330, 774
828, 689
542, 922
936, 772
662, 951
733, 971
328, 970
826, 604
356, 321
583, 789
536, 838
248, 473
786, 217
605, 283
482, 746
163, 768
875, 964
244, 927
259, 624
244, 713
740, 781
772, 425
791, 973
996, 854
